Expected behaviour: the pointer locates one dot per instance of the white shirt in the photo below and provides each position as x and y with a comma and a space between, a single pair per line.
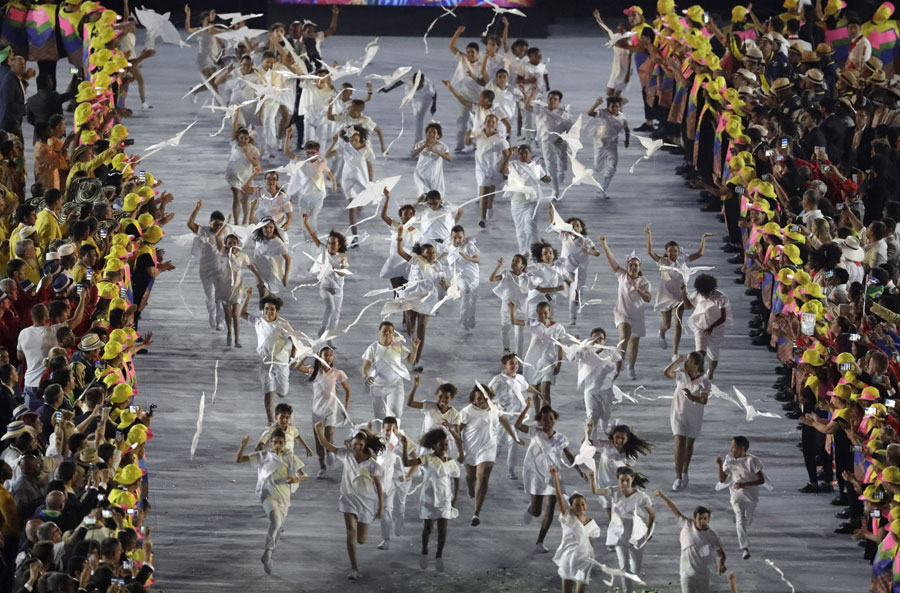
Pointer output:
745, 470
698, 549
548, 120
387, 363
35, 342
464, 84
272, 338
607, 127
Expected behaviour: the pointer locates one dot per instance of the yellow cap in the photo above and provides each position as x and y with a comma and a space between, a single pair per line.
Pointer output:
812, 289
891, 475
664, 7
118, 303
100, 57
129, 474
118, 335
83, 114
126, 418
107, 290
790, 4
131, 202
112, 350
146, 220
89, 137
812, 357
833, 7
121, 393
844, 358
137, 435
793, 253
153, 235
883, 13
738, 14
793, 235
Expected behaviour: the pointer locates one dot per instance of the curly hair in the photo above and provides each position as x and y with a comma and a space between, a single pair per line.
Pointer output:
537, 249
430, 439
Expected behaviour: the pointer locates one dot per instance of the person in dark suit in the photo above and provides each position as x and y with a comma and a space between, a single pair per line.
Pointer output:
46, 102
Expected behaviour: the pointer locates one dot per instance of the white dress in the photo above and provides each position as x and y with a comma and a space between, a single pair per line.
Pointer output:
687, 416
629, 304
325, 405
575, 554
479, 436
429, 173
436, 225
542, 352
395, 266
269, 262
355, 172
621, 67
230, 282
628, 513
239, 168
575, 257
358, 493
609, 460
436, 498
510, 393
434, 418
489, 153
543, 452
424, 280
670, 281
707, 311
541, 275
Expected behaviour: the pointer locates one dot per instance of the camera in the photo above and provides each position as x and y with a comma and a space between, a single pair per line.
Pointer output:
150, 411
769, 153
126, 565
106, 513
871, 411
90, 521
88, 274
874, 513
142, 176
128, 142
784, 143
134, 409
102, 233
853, 337
78, 288
845, 366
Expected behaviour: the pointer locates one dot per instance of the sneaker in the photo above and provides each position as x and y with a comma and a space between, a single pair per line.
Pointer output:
540, 548
677, 485
320, 474
482, 223
572, 322
810, 489
146, 106
423, 561
475, 521
684, 481
267, 561
527, 518
746, 554
439, 564
353, 574
384, 545
512, 476
662, 342
228, 340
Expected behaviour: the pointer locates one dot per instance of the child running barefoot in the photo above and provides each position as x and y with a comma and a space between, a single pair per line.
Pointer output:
544, 356
441, 473
669, 299
712, 310
596, 370
277, 471
632, 297
490, 152
357, 170
577, 248
326, 408
230, 283
692, 388
362, 498
631, 522
430, 154
510, 389
477, 431
284, 420
463, 256
512, 286
331, 259
308, 184
575, 554
547, 449
384, 371
744, 475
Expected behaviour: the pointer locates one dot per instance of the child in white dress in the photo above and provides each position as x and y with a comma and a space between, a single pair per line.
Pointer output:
230, 282
357, 158
619, 448
545, 276
438, 492
671, 278
692, 389
478, 432
576, 250
510, 391
631, 521
544, 356
438, 413
631, 300
430, 154
606, 125
243, 165
711, 312
277, 471
330, 267
462, 256
395, 268
271, 257
546, 449
575, 554
523, 202
512, 285
596, 372
307, 185
362, 498
436, 219
384, 371
326, 408
490, 152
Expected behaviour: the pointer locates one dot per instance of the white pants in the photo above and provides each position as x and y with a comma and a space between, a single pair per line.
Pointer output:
556, 162
394, 512
317, 131
420, 112
214, 309
268, 141
598, 407
743, 516
606, 158
332, 298
528, 131
277, 514
462, 124
388, 400
698, 583
525, 223
631, 559
517, 342
311, 205
513, 453
468, 304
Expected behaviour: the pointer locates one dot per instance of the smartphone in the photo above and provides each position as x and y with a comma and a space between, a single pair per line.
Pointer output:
845, 366
90, 521
58, 416
119, 582
853, 337
88, 274
740, 190
794, 228
879, 496
829, 273
126, 565
134, 409
128, 142
784, 143
101, 497
890, 402
102, 233
874, 513
142, 176
106, 513
123, 292
871, 411
705, 17
98, 363
769, 153
143, 530
840, 206
78, 288
129, 511
826, 168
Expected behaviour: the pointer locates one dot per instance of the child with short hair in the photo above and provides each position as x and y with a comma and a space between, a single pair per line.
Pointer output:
697, 541
607, 124
490, 152
430, 154
307, 185
384, 371
284, 420
333, 260
204, 248
355, 117
357, 170
523, 204
326, 408
550, 122
510, 391
464, 81
743, 473
596, 373
394, 481
463, 256
576, 251
544, 355
512, 286
230, 282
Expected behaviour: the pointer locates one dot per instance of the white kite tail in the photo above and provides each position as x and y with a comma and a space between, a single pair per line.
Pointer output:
199, 430
181, 292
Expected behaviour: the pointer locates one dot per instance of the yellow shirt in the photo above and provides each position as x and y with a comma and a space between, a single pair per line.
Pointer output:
89, 166
47, 227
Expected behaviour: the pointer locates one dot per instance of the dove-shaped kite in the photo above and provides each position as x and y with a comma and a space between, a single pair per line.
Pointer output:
586, 454
238, 35
499, 10
557, 224
229, 112
158, 27
374, 192
447, 11
453, 292
572, 137
740, 401
236, 17
515, 183
173, 141
581, 175
650, 147
391, 78
412, 91
206, 83
614, 37
354, 66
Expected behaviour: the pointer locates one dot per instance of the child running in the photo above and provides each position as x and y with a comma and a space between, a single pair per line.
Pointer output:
326, 408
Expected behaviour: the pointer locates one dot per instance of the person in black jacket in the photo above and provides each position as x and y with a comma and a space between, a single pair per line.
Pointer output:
12, 95
46, 102
813, 135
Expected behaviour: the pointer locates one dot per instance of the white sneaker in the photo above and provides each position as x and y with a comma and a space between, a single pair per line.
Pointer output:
662, 342
384, 545
746, 554
146, 106
423, 561
267, 561
684, 481
439, 564
490, 213
353, 574
527, 518
540, 549
320, 474
677, 485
